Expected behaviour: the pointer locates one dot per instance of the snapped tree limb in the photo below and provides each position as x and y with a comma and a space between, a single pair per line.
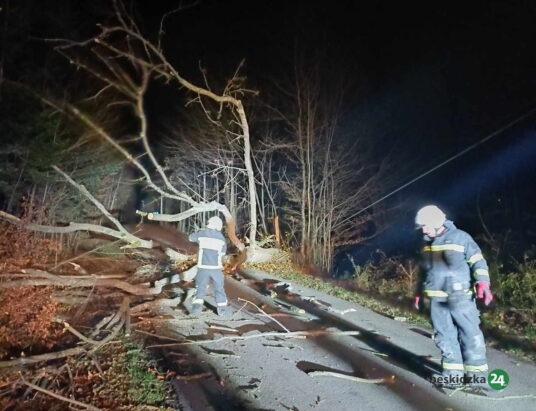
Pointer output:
133, 241
41, 278
149, 63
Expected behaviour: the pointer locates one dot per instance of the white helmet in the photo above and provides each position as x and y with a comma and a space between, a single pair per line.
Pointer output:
215, 223
431, 216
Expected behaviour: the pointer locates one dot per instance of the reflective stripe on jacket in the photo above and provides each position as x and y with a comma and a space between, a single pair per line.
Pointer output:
452, 260
212, 248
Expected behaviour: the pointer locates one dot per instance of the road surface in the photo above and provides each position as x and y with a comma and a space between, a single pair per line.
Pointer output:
287, 347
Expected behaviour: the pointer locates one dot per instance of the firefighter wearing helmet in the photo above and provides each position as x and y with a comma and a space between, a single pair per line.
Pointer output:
212, 248
452, 267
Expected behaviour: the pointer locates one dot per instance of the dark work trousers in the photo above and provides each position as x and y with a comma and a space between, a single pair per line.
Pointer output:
458, 336
202, 279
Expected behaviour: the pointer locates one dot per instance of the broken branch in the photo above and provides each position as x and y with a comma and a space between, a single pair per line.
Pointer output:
346, 377
59, 397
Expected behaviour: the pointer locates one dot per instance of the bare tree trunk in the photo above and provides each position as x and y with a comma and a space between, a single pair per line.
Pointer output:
277, 232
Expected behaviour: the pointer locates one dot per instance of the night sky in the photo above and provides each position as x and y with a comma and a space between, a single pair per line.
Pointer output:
444, 73
431, 79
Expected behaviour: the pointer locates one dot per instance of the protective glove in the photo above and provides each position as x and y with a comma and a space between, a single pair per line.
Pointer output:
416, 302
483, 292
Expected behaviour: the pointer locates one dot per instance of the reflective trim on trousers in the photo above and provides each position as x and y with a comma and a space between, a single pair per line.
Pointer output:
452, 366
476, 368
210, 267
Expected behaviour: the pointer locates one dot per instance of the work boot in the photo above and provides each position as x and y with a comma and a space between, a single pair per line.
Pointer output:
196, 309
190, 293
222, 311
450, 381
477, 380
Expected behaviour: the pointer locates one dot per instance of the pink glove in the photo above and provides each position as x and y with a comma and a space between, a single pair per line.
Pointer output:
416, 301
483, 292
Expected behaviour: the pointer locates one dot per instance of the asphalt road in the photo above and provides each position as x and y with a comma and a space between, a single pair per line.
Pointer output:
287, 347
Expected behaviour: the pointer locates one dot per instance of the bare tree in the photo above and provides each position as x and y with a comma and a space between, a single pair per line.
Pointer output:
329, 177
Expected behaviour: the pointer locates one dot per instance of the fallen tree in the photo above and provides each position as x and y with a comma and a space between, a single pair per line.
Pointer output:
126, 64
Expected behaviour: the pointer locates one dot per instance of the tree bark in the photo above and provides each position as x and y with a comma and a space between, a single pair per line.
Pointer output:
43, 278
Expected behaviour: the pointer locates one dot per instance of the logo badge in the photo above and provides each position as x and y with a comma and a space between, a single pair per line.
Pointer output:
498, 379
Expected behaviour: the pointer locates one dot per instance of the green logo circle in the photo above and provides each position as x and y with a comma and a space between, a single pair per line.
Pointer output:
498, 379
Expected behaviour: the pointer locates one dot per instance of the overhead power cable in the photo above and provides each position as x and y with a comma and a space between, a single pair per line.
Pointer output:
455, 156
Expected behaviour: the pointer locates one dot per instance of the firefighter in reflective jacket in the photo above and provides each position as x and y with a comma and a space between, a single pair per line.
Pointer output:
453, 266
212, 248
